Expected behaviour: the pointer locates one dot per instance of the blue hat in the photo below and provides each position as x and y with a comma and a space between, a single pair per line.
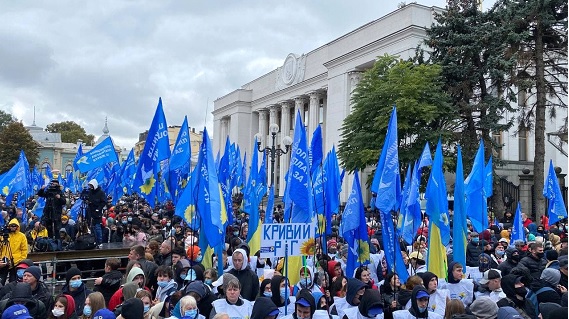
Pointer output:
422, 294
303, 302
16, 312
374, 311
104, 314
275, 312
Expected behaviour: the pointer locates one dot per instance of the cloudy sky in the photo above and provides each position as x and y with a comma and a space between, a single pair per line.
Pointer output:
87, 60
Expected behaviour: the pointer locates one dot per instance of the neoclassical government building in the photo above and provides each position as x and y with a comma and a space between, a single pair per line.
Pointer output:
318, 85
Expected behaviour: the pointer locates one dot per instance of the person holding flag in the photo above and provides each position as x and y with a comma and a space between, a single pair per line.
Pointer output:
51, 217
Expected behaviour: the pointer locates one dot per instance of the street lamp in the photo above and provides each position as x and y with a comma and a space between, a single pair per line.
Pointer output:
274, 152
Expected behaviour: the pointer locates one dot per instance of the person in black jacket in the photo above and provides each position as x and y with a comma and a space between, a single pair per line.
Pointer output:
473, 250
54, 202
111, 280
94, 214
515, 291
247, 277
534, 260
264, 307
512, 260
546, 288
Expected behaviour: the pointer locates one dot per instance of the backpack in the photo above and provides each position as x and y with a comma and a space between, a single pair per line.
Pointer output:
84, 242
43, 244
532, 296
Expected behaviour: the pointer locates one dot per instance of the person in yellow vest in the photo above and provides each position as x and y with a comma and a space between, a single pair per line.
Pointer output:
38, 231
14, 248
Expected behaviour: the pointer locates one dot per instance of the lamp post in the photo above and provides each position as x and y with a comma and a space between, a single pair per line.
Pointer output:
274, 151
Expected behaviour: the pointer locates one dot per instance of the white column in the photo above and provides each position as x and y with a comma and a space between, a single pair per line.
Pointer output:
223, 131
273, 119
273, 113
285, 131
299, 107
314, 109
354, 78
263, 125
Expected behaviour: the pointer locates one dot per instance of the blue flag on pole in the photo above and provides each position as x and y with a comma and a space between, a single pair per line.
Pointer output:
298, 196
103, 153
556, 208
518, 226
413, 206
426, 159
156, 149
474, 189
387, 184
459, 217
225, 176
209, 203
270, 206
354, 229
332, 188
127, 173
316, 153
77, 157
404, 195
179, 161
436, 195
17, 178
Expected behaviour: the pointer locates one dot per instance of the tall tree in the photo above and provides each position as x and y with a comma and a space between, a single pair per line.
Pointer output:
423, 112
469, 45
537, 37
6, 119
71, 132
13, 139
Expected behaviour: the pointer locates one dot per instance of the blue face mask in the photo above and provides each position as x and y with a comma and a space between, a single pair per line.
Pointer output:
124, 222
168, 224
87, 310
129, 219
235, 233
183, 276
20, 273
191, 313
306, 282
146, 308
267, 294
162, 284
283, 293
208, 281
475, 240
75, 283
199, 258
191, 276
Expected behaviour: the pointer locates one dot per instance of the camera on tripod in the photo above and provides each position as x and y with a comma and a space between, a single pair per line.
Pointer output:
5, 233
84, 194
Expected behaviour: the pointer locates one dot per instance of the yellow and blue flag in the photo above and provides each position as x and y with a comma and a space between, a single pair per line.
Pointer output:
156, 150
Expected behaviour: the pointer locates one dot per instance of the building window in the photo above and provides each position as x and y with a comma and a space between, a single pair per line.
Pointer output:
497, 138
523, 144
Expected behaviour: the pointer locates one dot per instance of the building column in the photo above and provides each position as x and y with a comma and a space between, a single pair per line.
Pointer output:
354, 78
223, 130
314, 110
299, 108
263, 125
273, 119
285, 131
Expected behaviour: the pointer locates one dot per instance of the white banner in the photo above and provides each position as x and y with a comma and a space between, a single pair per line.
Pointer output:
297, 238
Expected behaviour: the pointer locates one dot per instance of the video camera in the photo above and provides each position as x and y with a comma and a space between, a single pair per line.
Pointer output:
52, 189
5, 232
84, 194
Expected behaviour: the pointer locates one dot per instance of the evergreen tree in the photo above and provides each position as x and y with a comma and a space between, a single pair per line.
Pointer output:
537, 37
423, 112
13, 138
6, 119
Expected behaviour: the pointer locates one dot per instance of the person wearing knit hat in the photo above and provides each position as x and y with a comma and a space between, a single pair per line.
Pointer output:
132, 308
35, 271
332, 247
484, 308
563, 263
75, 287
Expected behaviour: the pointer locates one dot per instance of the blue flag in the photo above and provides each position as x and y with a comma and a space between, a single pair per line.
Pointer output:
156, 149
413, 206
386, 181
127, 173
332, 188
224, 172
459, 217
354, 229
77, 157
186, 207
270, 206
556, 208
404, 195
209, 202
518, 226
38, 207
426, 159
100, 155
179, 161
298, 194
17, 178
316, 154
474, 189
76, 209
436, 195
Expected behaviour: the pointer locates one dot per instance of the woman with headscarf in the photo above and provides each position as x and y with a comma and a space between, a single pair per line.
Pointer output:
437, 297
516, 292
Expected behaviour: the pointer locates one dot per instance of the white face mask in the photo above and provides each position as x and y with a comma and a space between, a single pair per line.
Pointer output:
57, 312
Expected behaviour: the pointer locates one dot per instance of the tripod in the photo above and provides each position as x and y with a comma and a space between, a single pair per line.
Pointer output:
9, 260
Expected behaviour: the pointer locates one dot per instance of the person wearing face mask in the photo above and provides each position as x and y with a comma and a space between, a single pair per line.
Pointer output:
181, 273
94, 302
354, 291
63, 308
281, 295
304, 307
332, 246
419, 306
75, 288
473, 250
265, 289
210, 275
534, 260
166, 284
306, 281
20, 268
499, 254
194, 254
512, 260
146, 298
516, 292
202, 295
370, 306
189, 308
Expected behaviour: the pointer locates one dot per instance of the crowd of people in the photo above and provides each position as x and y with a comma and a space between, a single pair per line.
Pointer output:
165, 276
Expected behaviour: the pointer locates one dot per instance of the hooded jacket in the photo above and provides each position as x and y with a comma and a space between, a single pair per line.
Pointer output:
78, 295
97, 201
524, 306
473, 251
22, 293
18, 244
347, 302
511, 261
262, 307
414, 310
206, 297
306, 295
247, 277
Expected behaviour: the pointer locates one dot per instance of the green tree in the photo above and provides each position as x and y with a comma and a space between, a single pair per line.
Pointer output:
13, 139
470, 45
71, 132
6, 119
537, 37
423, 112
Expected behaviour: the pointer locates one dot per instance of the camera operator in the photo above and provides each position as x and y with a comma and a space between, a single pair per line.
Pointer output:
97, 200
51, 218
14, 248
